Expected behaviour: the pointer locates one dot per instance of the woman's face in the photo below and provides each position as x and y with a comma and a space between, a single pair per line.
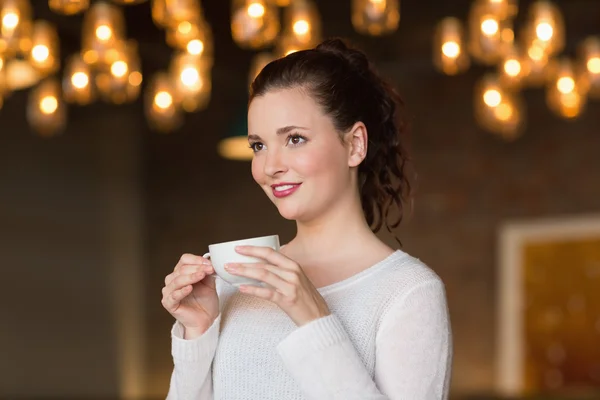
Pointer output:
299, 160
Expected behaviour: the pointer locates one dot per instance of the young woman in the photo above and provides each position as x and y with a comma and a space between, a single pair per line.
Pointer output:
345, 316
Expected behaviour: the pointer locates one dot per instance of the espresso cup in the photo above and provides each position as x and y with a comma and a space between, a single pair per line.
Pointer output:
224, 253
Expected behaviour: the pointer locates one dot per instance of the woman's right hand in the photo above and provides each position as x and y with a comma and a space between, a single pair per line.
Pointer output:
190, 294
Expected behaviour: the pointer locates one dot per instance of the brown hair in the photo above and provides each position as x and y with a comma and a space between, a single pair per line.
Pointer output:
344, 83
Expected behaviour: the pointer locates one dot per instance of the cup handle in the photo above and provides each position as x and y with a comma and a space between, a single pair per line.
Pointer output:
207, 255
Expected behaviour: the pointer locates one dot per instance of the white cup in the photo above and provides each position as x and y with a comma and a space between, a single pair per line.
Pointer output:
224, 253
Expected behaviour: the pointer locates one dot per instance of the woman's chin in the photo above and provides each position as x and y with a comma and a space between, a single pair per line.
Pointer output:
289, 216
289, 213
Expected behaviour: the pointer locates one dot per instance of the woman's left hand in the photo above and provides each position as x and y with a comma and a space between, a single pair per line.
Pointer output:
290, 289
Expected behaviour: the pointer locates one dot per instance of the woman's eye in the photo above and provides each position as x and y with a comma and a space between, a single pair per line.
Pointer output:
296, 139
256, 146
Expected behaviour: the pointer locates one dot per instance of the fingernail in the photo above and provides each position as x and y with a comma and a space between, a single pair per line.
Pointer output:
206, 262
230, 267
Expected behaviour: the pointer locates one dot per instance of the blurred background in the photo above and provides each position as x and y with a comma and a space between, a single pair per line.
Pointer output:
122, 131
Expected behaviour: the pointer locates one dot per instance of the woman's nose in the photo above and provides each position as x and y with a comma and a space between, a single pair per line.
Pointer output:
274, 163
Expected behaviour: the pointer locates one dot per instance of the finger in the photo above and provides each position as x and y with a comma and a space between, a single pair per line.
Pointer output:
262, 292
173, 300
210, 281
268, 254
269, 274
184, 280
188, 269
188, 258
191, 268
285, 274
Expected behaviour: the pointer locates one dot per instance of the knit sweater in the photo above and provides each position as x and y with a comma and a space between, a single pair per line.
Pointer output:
388, 337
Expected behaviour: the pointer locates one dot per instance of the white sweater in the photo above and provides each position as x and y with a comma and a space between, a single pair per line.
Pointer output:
388, 337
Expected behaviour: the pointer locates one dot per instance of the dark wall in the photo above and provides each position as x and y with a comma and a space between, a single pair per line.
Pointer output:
69, 241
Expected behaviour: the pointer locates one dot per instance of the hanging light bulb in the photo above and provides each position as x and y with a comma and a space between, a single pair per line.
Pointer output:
44, 54
497, 110
254, 23
490, 36
103, 32
511, 70
259, 61
20, 74
128, 2
77, 81
449, 53
589, 64
502, 9
303, 22
160, 107
302, 29
564, 95
3, 86
15, 27
120, 81
535, 64
178, 11
191, 80
46, 112
375, 17
158, 8
193, 37
544, 28
68, 7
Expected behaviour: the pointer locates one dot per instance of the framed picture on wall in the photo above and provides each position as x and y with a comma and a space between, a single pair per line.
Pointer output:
548, 326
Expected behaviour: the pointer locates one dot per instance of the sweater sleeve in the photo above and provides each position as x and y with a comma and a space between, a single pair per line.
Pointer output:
192, 377
413, 353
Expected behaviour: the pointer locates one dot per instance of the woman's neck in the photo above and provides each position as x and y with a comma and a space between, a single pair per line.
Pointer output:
342, 229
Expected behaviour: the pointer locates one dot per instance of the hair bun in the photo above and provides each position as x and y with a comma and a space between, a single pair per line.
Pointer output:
355, 58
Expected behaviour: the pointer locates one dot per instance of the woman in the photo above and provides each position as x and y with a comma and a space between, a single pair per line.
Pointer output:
346, 316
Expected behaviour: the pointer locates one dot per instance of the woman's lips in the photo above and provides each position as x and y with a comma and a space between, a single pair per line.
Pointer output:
284, 189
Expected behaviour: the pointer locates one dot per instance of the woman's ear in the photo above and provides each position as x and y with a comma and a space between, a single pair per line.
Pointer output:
357, 139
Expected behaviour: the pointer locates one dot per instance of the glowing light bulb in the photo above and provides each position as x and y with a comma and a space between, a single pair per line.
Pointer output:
377, 8
80, 80
256, 10
10, 20
593, 65
119, 68
190, 76
195, 47
565, 84
492, 97
301, 27
512, 67
103, 32
489, 26
48, 104
544, 31
40, 53
451, 49
163, 100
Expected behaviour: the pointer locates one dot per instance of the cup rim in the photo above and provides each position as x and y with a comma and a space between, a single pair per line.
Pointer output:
243, 240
